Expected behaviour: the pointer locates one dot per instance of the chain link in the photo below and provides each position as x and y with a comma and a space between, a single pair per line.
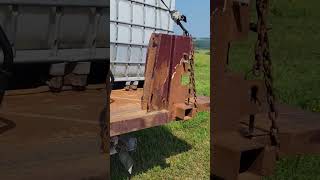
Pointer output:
104, 129
111, 81
192, 86
263, 63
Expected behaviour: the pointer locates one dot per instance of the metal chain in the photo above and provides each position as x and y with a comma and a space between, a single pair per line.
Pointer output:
192, 79
263, 63
104, 129
111, 81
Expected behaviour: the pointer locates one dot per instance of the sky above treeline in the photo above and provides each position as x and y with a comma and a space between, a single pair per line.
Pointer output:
198, 16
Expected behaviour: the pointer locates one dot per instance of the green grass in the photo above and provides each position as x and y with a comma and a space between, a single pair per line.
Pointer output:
295, 51
179, 150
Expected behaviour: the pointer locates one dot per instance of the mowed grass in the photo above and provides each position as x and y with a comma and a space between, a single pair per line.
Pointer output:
179, 150
295, 52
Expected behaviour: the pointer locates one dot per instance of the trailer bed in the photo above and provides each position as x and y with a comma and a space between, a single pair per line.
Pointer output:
127, 116
41, 114
51, 136
50, 115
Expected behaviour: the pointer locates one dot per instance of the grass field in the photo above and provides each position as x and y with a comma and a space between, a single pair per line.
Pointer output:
180, 150
295, 52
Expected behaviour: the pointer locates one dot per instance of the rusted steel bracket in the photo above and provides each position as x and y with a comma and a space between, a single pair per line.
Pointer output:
165, 97
167, 63
240, 146
165, 94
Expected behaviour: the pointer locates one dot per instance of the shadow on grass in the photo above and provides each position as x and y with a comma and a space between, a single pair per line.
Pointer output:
154, 146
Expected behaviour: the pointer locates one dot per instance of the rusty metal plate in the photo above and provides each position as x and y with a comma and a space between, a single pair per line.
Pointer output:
164, 61
51, 136
46, 115
299, 130
127, 116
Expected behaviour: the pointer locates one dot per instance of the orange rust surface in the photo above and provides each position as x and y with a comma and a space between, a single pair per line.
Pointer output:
164, 66
51, 136
44, 116
299, 130
126, 114
56, 135
124, 101
48, 115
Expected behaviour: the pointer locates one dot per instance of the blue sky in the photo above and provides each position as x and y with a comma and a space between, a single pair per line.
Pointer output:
198, 16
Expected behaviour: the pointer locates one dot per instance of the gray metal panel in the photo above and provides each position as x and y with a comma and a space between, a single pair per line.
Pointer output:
132, 23
60, 31
85, 3
64, 55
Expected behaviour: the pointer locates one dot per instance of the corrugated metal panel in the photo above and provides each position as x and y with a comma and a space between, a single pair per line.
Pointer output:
131, 26
56, 30
85, 3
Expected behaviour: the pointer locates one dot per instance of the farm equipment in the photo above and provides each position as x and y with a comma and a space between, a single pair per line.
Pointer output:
164, 97
249, 129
